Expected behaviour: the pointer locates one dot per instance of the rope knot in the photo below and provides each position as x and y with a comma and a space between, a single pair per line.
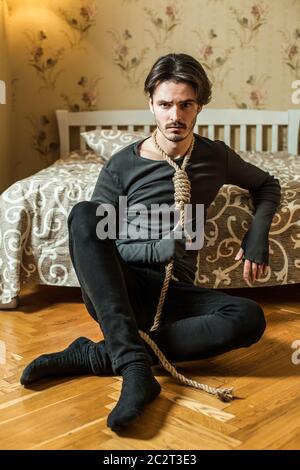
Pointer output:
225, 394
182, 187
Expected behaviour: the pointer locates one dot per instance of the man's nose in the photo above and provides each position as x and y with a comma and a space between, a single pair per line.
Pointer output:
175, 113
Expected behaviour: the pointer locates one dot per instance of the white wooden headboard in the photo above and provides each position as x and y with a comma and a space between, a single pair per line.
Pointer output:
210, 118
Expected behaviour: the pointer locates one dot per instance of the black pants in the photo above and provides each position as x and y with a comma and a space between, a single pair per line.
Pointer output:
197, 322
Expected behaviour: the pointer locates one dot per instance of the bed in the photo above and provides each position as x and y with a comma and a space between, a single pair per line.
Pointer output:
34, 211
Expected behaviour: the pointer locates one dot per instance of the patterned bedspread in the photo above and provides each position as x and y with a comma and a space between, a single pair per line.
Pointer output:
34, 237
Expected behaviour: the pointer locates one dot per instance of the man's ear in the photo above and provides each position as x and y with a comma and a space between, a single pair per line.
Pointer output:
151, 105
200, 106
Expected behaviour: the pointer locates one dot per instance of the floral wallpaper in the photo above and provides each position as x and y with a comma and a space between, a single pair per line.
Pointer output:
43, 58
213, 57
163, 24
127, 58
95, 54
80, 19
248, 22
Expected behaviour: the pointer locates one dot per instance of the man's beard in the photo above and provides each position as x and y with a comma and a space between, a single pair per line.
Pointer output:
175, 137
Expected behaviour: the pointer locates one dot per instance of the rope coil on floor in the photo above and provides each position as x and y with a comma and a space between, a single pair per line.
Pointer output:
182, 196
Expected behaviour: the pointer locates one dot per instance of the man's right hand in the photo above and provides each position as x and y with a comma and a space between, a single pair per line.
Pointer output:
172, 248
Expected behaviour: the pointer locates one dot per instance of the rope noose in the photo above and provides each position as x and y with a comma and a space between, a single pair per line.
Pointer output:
182, 195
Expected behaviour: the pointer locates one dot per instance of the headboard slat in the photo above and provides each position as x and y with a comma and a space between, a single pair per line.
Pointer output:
243, 137
258, 140
274, 138
293, 130
211, 132
227, 136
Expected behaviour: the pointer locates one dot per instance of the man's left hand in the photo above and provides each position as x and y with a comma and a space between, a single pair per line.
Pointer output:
252, 271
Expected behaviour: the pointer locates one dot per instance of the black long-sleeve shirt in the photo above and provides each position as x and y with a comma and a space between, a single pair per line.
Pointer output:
212, 164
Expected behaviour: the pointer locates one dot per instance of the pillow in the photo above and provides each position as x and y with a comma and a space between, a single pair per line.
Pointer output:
106, 142
80, 156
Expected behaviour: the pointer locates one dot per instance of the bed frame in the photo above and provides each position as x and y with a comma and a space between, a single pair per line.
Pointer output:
210, 118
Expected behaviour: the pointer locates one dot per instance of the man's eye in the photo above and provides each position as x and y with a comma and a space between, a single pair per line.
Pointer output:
165, 105
186, 105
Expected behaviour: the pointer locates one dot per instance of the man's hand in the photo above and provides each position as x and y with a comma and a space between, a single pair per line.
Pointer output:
251, 269
169, 249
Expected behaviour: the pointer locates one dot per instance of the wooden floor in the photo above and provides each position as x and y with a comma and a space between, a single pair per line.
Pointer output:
71, 413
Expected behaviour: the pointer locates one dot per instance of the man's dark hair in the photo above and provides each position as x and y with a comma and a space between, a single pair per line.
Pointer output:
179, 68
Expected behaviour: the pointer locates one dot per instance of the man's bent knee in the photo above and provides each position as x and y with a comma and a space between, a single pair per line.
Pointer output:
254, 322
82, 210
82, 219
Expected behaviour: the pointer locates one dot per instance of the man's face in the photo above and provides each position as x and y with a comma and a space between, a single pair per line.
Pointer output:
175, 109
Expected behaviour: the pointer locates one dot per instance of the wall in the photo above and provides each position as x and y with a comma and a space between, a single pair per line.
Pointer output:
94, 54
5, 110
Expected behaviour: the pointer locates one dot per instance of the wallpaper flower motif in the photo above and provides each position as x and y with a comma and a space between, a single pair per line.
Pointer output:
291, 51
43, 58
257, 94
129, 63
41, 143
88, 97
249, 26
163, 26
80, 22
213, 61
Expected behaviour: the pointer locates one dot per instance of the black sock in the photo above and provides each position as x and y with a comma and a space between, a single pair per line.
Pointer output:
83, 356
139, 388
